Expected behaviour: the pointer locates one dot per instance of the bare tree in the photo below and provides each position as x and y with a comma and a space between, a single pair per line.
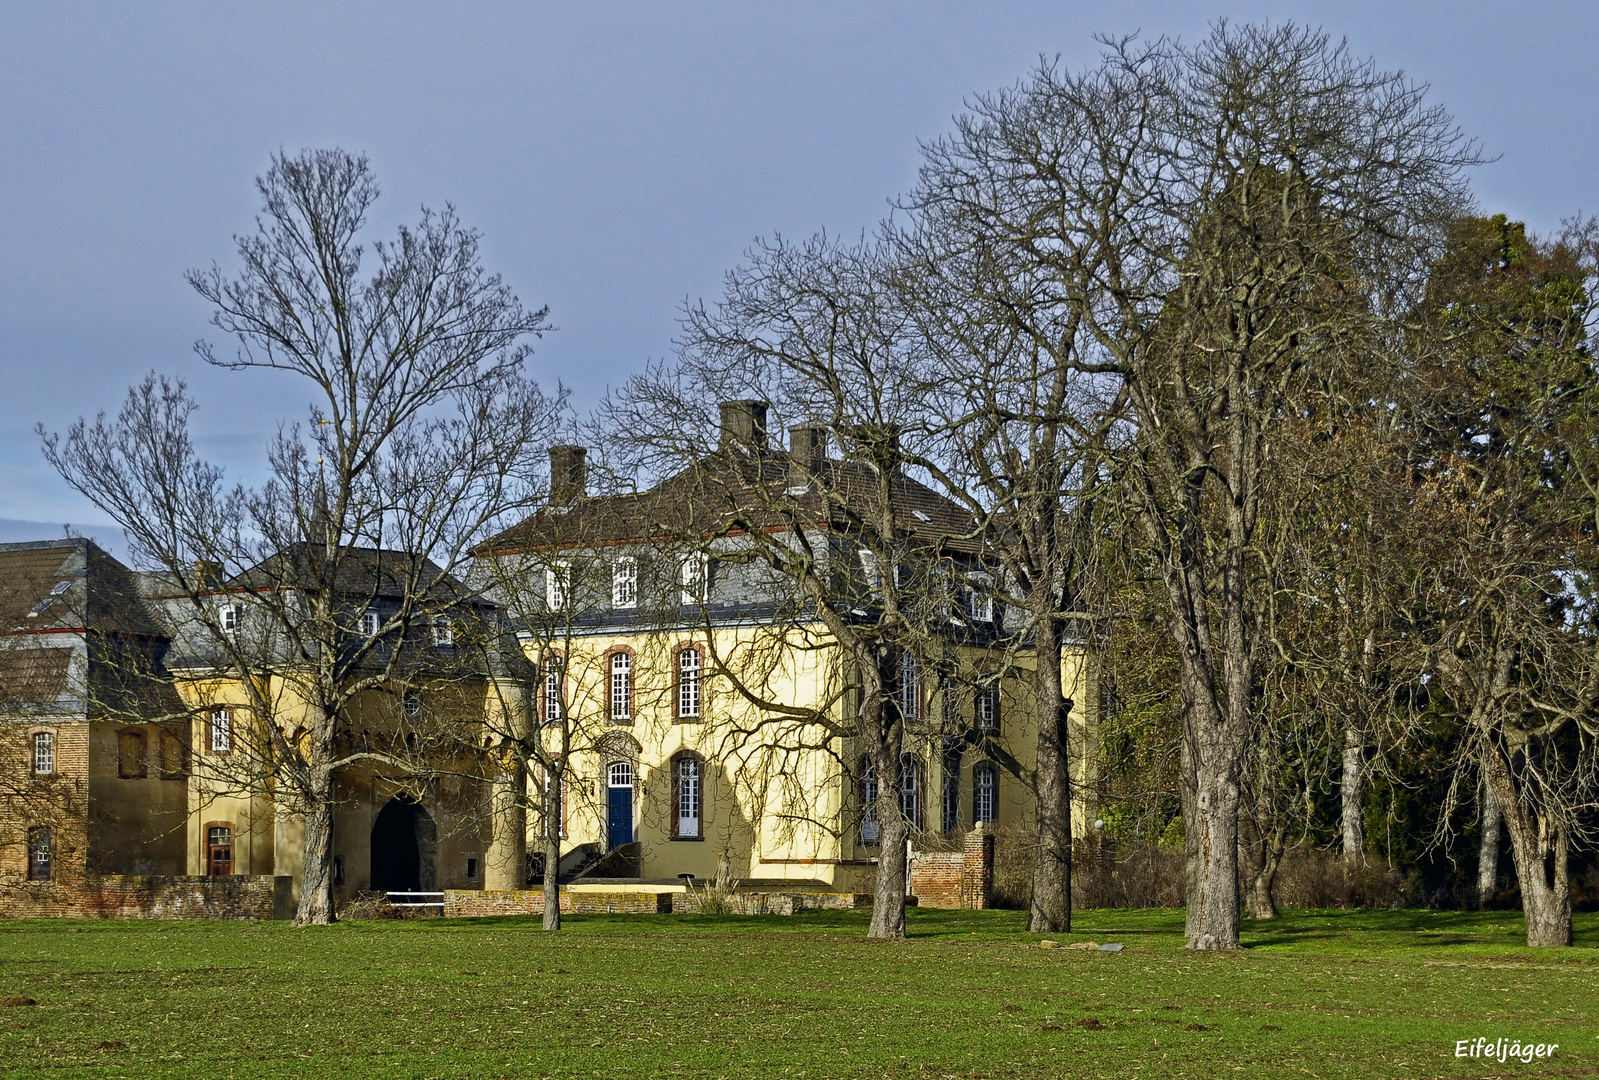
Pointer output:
1023, 417
316, 589
855, 553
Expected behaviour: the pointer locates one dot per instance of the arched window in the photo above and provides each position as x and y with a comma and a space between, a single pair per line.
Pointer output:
912, 776
621, 697
870, 831
690, 673
554, 687
130, 754
688, 784
41, 850
985, 792
219, 850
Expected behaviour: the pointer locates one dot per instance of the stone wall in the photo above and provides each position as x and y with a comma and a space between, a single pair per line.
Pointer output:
115, 896
476, 903
740, 903
956, 879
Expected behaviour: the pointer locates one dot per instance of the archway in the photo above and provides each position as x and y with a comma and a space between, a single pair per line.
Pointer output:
404, 848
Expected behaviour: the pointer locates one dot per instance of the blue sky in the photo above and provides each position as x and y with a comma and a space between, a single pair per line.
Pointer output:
617, 157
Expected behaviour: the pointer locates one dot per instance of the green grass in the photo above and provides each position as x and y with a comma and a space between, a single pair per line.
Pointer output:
1327, 994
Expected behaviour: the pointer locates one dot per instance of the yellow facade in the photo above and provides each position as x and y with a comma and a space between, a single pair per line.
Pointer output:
776, 814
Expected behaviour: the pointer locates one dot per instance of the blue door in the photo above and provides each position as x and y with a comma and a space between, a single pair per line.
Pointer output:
619, 816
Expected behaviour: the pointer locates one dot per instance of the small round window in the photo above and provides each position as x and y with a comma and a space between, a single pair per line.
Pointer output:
412, 703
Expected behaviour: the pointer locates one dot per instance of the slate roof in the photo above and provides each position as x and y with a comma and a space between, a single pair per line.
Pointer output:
362, 572
737, 490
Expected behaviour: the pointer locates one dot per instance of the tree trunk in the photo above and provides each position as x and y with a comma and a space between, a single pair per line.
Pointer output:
1349, 793
1258, 859
888, 903
552, 855
1213, 906
1052, 872
1488, 857
316, 867
1539, 847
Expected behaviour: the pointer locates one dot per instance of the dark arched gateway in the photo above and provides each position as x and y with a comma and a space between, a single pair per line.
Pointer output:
404, 848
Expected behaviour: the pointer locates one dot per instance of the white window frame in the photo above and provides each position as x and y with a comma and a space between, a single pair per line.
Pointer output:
871, 832
910, 687
232, 616
554, 687
558, 585
41, 853
369, 623
911, 776
985, 792
621, 686
443, 632
690, 683
411, 703
690, 796
986, 708
44, 753
619, 774
694, 578
219, 732
979, 600
868, 559
624, 582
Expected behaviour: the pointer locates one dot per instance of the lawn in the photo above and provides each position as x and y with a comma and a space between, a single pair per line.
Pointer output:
1326, 994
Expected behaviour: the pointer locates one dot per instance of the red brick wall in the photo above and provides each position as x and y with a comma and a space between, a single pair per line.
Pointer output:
149, 897
956, 879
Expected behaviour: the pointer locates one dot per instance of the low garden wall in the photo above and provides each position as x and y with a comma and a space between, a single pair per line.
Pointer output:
956, 879
476, 903
117, 896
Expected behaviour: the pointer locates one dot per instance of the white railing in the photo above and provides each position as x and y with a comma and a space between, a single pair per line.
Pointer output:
411, 899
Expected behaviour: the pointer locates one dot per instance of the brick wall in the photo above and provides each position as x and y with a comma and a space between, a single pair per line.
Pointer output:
956, 879
150, 897
475, 903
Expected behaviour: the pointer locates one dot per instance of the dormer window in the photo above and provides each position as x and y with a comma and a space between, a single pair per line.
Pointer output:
369, 623
869, 569
624, 582
979, 600
232, 616
558, 585
694, 575
443, 632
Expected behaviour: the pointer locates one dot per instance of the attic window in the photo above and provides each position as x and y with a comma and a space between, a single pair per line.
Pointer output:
60, 587
41, 606
919, 516
369, 623
443, 631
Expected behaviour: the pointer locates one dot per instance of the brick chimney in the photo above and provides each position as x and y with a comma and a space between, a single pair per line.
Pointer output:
807, 453
743, 424
568, 474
